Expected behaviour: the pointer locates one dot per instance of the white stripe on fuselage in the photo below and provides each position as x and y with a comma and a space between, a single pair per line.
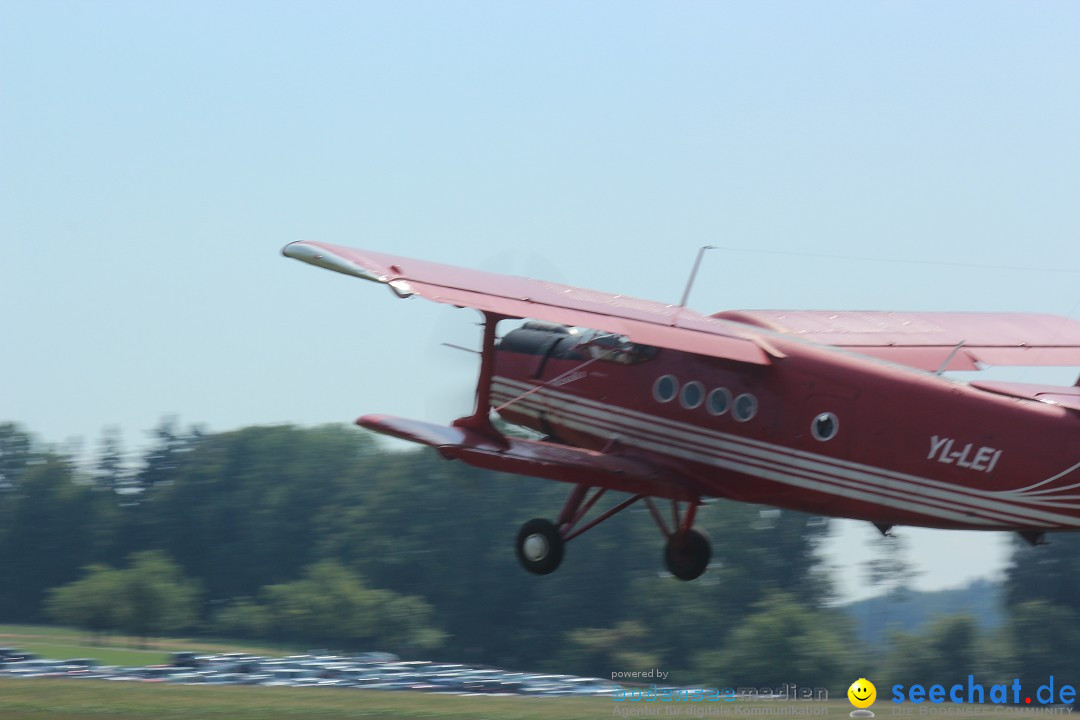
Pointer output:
779, 463
747, 465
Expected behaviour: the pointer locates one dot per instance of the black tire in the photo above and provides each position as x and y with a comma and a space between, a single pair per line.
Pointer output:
687, 554
539, 547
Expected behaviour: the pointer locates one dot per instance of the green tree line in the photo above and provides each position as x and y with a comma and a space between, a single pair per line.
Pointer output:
323, 536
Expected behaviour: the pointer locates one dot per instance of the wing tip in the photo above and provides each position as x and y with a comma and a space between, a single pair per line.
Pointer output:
326, 258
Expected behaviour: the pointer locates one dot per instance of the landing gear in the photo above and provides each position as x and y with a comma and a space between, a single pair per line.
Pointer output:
539, 546
540, 542
687, 554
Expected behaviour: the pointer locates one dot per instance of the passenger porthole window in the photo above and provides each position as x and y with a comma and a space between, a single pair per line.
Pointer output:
665, 388
693, 394
719, 401
824, 427
745, 407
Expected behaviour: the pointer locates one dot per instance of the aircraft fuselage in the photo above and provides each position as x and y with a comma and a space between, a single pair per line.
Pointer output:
818, 431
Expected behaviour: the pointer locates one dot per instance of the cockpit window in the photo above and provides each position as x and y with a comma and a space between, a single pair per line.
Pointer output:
614, 348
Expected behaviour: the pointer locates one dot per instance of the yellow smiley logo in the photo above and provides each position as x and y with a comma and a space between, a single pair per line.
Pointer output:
862, 693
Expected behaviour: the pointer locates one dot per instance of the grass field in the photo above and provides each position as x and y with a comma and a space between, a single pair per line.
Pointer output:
61, 643
104, 700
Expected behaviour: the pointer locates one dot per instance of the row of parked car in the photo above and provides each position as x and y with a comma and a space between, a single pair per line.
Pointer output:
371, 671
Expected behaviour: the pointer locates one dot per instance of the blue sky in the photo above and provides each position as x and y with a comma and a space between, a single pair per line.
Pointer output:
154, 158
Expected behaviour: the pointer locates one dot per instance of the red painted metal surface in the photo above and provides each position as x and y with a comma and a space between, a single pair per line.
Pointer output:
644, 321
911, 448
1067, 397
761, 406
538, 459
927, 339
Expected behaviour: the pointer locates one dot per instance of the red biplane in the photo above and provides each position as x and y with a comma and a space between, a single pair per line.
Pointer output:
845, 414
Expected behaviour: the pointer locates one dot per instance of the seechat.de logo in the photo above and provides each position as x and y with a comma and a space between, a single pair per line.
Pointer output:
862, 695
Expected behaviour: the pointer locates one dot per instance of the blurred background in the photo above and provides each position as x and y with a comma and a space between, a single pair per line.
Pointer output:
319, 537
167, 375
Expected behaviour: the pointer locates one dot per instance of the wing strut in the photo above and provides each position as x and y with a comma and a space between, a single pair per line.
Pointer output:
480, 420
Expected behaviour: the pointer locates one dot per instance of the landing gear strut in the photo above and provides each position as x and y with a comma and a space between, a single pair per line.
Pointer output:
540, 542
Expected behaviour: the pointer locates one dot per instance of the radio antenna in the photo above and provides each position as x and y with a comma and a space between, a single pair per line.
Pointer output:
693, 274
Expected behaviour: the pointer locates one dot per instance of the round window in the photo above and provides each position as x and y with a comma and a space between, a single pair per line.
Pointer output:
719, 401
824, 426
665, 388
745, 407
693, 393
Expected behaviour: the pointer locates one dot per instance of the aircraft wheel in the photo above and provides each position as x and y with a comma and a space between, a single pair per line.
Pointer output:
539, 547
687, 554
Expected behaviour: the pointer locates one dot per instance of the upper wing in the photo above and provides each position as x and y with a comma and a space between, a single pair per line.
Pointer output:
931, 340
642, 321
1067, 397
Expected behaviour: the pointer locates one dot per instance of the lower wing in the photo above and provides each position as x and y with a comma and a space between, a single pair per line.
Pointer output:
538, 459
